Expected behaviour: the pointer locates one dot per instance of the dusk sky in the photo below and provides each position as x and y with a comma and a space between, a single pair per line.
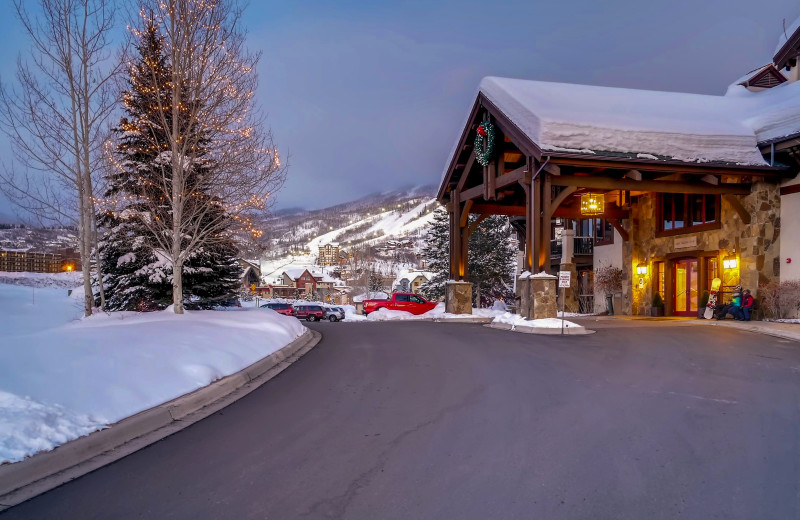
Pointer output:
370, 96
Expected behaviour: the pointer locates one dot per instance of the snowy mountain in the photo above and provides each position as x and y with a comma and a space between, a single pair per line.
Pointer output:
376, 221
45, 240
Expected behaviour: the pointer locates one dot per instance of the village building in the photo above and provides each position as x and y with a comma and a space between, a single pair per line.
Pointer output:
410, 281
674, 189
251, 275
15, 261
328, 254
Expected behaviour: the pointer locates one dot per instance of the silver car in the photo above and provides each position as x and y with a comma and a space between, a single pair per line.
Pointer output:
334, 313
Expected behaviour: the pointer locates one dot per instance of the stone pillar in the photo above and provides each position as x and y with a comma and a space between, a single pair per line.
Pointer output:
524, 295
571, 294
458, 297
543, 296
567, 246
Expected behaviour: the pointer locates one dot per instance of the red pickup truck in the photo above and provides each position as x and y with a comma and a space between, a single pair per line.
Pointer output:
408, 302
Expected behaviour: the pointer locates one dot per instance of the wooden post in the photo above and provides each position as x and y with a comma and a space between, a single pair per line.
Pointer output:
536, 225
546, 224
529, 242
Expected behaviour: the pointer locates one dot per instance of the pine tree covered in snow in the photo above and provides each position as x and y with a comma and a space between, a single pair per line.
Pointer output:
138, 275
491, 258
437, 253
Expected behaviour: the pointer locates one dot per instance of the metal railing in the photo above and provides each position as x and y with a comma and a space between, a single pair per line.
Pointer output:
581, 246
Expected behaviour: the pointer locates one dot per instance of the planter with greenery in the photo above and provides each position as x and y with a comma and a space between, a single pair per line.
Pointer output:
608, 280
657, 308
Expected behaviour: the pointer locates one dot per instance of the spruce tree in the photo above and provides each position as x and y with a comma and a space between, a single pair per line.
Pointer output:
491, 258
138, 273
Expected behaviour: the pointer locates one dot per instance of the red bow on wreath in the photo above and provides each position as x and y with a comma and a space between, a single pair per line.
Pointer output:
481, 131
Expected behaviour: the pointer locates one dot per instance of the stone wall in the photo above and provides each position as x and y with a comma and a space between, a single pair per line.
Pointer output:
755, 245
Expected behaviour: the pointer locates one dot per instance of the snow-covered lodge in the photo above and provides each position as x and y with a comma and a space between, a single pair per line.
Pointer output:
675, 189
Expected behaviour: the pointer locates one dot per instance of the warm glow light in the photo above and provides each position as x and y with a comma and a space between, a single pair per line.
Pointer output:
641, 269
592, 203
730, 262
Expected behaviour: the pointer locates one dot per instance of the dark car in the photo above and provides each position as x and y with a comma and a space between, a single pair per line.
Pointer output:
280, 308
334, 313
308, 311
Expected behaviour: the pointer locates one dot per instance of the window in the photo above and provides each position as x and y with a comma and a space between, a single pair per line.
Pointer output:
402, 298
713, 271
683, 212
603, 232
658, 277
417, 299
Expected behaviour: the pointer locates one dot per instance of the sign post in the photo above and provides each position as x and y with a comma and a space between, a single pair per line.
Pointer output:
564, 278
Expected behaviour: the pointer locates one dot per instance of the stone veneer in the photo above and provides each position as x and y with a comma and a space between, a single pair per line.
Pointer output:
458, 297
537, 296
756, 245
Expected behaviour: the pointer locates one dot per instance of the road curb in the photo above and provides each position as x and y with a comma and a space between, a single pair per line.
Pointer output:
42, 472
568, 331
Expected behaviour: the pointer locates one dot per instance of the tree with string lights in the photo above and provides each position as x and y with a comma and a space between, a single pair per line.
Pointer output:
215, 164
138, 272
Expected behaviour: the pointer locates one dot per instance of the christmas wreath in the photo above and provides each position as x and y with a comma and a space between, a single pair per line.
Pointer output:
485, 133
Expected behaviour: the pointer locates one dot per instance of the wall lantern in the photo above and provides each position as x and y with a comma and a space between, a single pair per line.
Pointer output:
729, 262
641, 269
592, 203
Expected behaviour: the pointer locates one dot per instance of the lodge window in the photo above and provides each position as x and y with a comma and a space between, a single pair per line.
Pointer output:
599, 229
685, 213
658, 276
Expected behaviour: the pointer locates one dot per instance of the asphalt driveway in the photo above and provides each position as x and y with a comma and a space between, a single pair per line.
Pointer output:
451, 421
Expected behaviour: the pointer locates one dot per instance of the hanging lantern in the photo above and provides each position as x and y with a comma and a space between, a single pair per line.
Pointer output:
592, 203
641, 269
730, 262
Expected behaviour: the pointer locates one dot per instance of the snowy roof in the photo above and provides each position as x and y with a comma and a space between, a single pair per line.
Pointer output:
588, 119
332, 244
784, 36
410, 275
295, 273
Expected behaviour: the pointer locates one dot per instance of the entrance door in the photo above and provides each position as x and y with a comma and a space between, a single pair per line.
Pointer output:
686, 285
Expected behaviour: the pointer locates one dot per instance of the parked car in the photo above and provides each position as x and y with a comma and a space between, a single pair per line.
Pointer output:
280, 308
308, 311
408, 302
334, 313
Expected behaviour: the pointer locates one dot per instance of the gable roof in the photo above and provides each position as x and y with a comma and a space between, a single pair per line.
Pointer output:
766, 76
788, 44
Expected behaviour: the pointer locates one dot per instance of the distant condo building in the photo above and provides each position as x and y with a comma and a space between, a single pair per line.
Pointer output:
35, 262
328, 254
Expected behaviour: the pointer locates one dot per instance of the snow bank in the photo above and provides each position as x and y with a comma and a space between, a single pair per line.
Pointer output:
62, 377
65, 280
543, 323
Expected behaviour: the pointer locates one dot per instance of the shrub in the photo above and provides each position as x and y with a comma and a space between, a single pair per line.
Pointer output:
657, 301
608, 279
781, 300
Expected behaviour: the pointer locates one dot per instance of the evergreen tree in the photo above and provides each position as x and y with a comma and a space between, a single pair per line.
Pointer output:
490, 260
138, 275
437, 253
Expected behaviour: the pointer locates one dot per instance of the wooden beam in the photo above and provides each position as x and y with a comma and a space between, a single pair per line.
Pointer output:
472, 193
581, 161
710, 179
607, 183
574, 212
465, 213
465, 174
561, 197
736, 204
618, 226
552, 169
498, 209
634, 174
511, 177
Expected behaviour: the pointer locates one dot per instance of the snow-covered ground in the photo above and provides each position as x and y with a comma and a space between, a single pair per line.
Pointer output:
62, 376
515, 320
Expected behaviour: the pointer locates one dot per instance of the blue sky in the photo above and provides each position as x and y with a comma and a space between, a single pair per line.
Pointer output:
369, 96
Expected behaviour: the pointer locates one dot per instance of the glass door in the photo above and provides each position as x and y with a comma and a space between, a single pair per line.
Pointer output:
686, 287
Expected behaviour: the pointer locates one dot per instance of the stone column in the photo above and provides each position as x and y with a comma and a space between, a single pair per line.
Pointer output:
524, 295
458, 297
571, 294
567, 246
543, 296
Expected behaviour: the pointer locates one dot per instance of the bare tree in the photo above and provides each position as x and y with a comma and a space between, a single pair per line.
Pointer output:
55, 116
219, 164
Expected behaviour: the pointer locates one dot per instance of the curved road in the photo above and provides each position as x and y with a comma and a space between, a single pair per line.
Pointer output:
450, 421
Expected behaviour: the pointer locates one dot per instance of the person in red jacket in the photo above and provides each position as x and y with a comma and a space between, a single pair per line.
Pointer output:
747, 304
